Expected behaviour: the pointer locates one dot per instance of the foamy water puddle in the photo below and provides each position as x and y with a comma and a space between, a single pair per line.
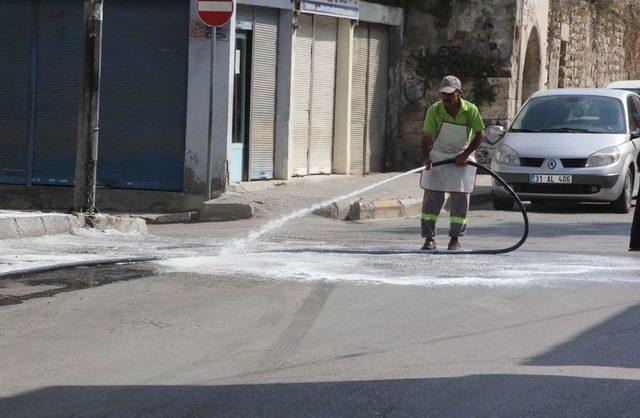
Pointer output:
313, 261
281, 262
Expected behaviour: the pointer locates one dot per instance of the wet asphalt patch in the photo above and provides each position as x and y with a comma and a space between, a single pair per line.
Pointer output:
18, 289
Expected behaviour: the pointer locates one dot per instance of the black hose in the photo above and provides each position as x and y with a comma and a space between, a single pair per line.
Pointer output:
107, 261
504, 184
374, 251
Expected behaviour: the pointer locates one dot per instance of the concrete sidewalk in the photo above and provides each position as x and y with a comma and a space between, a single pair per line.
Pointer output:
270, 199
264, 199
29, 224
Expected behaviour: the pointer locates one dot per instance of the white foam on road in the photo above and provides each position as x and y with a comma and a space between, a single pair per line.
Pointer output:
517, 269
291, 261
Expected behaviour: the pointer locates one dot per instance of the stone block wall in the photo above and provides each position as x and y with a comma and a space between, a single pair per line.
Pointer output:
475, 42
592, 43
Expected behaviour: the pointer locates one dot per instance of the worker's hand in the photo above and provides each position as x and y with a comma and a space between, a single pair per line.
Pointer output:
461, 159
427, 164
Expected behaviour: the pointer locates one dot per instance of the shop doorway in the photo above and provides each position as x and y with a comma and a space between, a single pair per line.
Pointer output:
241, 106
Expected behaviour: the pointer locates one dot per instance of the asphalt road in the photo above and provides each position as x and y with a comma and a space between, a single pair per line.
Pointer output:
283, 327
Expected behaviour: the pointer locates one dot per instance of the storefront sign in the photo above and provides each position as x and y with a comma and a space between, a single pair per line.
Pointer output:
349, 9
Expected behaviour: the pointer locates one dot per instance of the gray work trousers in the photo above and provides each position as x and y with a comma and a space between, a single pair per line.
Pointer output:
432, 205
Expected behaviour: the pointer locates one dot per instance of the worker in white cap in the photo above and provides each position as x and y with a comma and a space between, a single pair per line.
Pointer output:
453, 128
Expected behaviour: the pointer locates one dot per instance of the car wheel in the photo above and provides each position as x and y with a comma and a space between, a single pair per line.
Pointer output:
502, 204
623, 203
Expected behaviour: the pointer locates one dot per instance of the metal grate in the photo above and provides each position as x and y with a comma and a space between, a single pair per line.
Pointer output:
573, 162
531, 162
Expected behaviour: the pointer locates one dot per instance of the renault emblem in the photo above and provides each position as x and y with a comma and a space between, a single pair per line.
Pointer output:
552, 164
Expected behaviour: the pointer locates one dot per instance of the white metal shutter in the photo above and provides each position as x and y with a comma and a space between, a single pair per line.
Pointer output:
377, 97
301, 99
359, 97
263, 93
323, 86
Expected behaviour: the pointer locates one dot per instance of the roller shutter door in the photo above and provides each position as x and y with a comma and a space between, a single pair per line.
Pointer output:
143, 94
16, 38
301, 97
369, 98
377, 97
359, 90
57, 95
244, 13
263, 93
314, 94
323, 86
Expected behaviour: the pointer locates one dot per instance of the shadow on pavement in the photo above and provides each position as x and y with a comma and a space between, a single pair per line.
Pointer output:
475, 395
614, 343
514, 229
569, 208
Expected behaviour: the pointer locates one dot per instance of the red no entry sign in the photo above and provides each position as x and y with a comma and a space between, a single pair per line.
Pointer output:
215, 12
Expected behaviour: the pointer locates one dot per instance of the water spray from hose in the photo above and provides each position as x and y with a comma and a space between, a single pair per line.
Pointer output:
278, 223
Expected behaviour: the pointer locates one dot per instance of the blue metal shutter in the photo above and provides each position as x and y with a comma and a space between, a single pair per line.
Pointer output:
16, 18
59, 66
144, 94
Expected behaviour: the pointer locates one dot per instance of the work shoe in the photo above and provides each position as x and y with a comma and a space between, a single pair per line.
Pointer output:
429, 244
454, 244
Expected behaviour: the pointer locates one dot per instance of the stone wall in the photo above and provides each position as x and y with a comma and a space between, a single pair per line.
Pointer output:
473, 39
632, 41
592, 43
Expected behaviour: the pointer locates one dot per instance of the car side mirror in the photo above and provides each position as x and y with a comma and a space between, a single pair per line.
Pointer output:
635, 134
494, 134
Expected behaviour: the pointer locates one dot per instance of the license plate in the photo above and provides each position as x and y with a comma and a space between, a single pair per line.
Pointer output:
553, 179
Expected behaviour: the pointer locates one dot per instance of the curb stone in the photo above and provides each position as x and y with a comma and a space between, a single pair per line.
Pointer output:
54, 224
124, 224
169, 218
38, 225
220, 211
337, 210
362, 209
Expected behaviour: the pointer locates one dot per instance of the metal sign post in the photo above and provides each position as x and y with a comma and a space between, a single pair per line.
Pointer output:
84, 192
211, 100
213, 13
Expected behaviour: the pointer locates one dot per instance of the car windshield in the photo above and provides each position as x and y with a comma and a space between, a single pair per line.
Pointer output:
564, 113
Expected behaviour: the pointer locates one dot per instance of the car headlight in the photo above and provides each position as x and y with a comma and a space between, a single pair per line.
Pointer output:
506, 155
605, 156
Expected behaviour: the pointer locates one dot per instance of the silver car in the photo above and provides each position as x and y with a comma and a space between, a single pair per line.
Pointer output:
631, 85
571, 144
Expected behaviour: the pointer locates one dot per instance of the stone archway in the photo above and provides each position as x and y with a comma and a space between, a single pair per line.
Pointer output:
532, 66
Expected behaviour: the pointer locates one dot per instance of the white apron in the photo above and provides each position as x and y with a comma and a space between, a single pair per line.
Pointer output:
450, 142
